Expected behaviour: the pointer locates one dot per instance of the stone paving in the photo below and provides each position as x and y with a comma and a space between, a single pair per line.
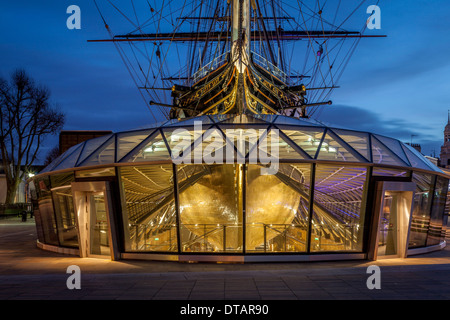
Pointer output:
27, 272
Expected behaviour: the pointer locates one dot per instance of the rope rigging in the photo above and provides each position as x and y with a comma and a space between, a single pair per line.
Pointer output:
299, 50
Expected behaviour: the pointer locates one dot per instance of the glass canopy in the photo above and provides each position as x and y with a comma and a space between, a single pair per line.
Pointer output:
205, 185
254, 139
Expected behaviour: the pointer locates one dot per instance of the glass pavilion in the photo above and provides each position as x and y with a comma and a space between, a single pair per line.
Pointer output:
241, 188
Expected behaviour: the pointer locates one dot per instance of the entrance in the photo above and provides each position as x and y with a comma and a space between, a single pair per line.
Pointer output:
97, 224
94, 220
394, 223
392, 220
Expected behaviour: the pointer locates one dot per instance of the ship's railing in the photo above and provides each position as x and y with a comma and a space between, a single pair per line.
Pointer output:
270, 67
203, 71
260, 60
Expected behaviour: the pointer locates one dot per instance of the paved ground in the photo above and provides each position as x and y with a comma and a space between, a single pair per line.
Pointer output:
27, 272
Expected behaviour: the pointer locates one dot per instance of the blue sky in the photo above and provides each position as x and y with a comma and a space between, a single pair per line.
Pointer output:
396, 86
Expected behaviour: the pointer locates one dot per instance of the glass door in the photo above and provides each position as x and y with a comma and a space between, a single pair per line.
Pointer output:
394, 224
98, 243
388, 232
94, 213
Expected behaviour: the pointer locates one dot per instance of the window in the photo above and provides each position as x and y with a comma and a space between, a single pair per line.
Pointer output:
420, 219
210, 199
278, 220
148, 208
339, 207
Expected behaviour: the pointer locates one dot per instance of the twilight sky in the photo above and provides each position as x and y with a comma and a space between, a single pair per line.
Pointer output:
397, 86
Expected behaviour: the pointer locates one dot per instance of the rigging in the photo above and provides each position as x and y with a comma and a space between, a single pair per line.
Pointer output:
236, 54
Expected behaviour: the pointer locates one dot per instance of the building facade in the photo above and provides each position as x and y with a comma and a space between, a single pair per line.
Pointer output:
241, 188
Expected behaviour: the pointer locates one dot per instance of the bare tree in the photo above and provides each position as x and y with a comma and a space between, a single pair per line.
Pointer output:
26, 118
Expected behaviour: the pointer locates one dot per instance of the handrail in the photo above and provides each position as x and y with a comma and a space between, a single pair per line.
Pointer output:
286, 235
264, 63
214, 228
213, 64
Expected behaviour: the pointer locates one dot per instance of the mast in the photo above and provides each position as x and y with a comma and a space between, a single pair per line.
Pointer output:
240, 36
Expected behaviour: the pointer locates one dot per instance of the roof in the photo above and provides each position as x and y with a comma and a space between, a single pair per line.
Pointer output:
294, 139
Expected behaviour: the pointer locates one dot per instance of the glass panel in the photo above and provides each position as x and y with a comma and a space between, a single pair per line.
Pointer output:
65, 179
244, 139
211, 149
436, 231
180, 140
382, 155
103, 172
394, 146
433, 166
66, 221
210, 146
277, 221
90, 146
129, 140
357, 140
65, 217
415, 158
307, 139
274, 146
54, 163
384, 172
339, 208
71, 158
148, 208
420, 220
45, 216
210, 199
98, 236
104, 155
153, 150
331, 149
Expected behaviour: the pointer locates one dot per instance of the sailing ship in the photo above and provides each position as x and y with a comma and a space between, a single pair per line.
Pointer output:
242, 56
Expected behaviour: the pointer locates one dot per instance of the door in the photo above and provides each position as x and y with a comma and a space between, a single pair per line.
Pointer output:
389, 227
97, 225
95, 213
391, 222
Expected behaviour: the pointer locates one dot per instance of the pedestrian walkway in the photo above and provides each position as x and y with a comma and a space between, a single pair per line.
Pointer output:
27, 272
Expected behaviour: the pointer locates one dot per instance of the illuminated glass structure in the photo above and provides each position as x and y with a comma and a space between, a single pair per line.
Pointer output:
241, 188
